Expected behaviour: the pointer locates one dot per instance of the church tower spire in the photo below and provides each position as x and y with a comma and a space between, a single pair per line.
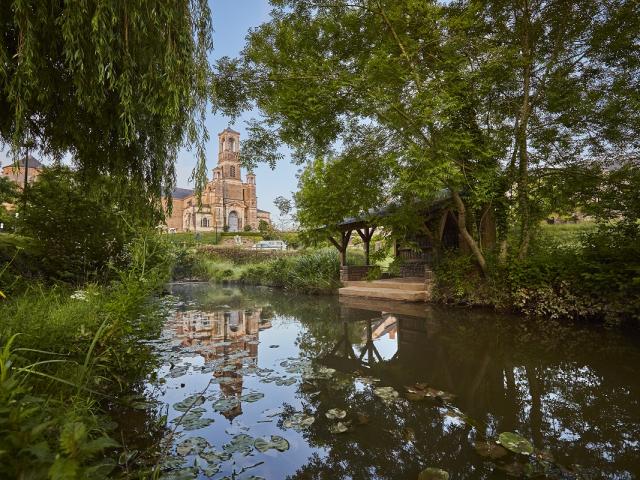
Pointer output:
229, 154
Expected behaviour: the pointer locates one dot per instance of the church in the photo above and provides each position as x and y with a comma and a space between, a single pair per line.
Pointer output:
228, 203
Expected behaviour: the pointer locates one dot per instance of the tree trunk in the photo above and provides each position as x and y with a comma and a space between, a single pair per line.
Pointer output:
525, 112
462, 228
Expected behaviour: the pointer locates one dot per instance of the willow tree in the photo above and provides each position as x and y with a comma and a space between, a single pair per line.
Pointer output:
118, 85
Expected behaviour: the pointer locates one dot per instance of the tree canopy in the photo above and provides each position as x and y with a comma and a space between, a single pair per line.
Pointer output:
118, 85
486, 99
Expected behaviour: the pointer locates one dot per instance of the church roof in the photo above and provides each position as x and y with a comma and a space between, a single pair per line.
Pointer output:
263, 211
181, 193
33, 163
229, 130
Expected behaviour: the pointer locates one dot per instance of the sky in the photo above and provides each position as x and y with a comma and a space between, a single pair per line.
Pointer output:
232, 19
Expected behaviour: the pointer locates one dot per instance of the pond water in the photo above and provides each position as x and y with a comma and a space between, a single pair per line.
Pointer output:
261, 384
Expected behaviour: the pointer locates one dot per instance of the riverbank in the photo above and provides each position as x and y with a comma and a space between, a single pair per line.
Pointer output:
307, 271
588, 274
72, 361
573, 272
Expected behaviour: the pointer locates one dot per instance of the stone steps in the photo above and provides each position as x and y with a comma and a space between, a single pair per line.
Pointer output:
414, 285
403, 295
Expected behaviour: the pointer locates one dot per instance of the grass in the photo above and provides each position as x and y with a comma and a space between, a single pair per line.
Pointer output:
68, 359
308, 271
566, 233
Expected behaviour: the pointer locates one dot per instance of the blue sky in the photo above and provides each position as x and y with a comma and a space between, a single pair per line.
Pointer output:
231, 21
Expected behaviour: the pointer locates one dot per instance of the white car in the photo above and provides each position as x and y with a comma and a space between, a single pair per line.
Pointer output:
270, 245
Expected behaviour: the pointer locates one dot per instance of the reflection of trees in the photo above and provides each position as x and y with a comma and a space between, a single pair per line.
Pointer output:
570, 389
560, 386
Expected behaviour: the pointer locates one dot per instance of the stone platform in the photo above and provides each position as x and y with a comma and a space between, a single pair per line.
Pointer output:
411, 289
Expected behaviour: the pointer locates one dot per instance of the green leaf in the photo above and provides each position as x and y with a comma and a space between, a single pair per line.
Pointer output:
432, 473
515, 443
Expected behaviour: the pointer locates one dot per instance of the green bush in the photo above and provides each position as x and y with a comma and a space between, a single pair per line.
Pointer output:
81, 228
595, 276
240, 256
69, 358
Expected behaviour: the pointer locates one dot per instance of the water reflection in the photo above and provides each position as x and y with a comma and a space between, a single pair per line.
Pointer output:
572, 391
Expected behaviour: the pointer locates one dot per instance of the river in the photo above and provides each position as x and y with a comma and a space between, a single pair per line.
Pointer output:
258, 383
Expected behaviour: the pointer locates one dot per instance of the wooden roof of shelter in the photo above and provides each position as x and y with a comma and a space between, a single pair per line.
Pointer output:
368, 219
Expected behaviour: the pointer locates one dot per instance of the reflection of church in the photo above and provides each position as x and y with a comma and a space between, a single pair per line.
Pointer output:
229, 338
228, 203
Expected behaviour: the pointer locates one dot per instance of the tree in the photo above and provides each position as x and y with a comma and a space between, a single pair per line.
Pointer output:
120, 86
482, 98
82, 226
327, 73
8, 195
562, 80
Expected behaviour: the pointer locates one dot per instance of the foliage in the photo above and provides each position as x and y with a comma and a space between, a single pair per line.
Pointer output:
505, 102
311, 272
8, 195
67, 359
118, 85
83, 228
242, 256
596, 278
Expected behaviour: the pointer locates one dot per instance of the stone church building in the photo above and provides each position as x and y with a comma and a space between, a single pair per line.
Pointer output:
228, 203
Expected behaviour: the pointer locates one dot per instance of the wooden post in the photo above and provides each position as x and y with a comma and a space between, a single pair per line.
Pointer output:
342, 246
366, 234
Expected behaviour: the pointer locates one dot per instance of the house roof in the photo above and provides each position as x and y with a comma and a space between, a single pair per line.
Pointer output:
180, 193
32, 163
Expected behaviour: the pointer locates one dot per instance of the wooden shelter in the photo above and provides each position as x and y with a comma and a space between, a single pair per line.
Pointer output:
438, 231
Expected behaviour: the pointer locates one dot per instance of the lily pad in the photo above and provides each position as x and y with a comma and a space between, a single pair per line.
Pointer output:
285, 381
387, 394
197, 423
178, 371
191, 445
211, 470
420, 391
276, 442
433, 474
272, 412
338, 428
490, 449
335, 413
252, 397
193, 414
298, 421
172, 463
226, 404
187, 473
213, 456
189, 402
516, 443
241, 443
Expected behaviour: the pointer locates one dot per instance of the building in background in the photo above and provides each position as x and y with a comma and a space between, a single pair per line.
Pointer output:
228, 202
15, 171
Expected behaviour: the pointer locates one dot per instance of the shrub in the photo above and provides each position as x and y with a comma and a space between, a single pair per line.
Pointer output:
82, 228
596, 276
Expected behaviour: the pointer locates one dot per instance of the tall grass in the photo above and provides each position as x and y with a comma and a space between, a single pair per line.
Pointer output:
310, 271
69, 357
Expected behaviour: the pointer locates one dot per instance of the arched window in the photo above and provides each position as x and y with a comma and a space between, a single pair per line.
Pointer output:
204, 222
230, 145
233, 171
